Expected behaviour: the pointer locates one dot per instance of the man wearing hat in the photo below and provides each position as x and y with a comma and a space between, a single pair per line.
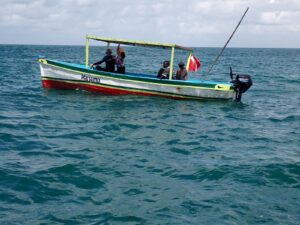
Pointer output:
181, 73
109, 60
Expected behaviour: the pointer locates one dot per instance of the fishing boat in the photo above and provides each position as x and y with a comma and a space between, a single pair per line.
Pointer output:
64, 75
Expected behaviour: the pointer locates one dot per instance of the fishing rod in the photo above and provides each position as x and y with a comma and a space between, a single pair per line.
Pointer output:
221, 52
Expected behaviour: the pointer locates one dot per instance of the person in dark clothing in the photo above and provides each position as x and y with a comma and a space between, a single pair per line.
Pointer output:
164, 72
109, 60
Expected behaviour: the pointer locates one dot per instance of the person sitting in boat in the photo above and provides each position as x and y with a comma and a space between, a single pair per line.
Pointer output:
120, 60
164, 72
109, 60
181, 73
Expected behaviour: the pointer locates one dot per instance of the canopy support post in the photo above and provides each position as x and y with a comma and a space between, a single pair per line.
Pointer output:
87, 51
171, 63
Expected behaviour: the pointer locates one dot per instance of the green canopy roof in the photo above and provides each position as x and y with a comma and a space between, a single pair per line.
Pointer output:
137, 43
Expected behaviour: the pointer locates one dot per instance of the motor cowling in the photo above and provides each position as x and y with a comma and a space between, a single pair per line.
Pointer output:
241, 83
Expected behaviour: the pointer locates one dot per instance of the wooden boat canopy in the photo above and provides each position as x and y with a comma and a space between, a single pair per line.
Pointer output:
137, 43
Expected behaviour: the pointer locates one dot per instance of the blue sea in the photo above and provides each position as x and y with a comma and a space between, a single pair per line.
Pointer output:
74, 157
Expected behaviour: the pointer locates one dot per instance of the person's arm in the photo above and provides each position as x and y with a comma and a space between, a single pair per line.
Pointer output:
101, 61
185, 77
160, 72
177, 75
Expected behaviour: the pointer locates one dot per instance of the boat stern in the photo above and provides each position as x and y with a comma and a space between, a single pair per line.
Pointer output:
241, 83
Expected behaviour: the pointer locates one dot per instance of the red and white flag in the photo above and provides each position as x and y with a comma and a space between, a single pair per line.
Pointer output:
194, 64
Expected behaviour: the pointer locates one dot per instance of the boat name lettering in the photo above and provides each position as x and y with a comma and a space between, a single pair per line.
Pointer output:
90, 79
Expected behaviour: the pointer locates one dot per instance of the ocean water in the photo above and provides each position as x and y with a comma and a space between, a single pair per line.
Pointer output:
73, 157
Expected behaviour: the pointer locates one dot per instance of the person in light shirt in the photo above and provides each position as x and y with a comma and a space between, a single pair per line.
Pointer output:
120, 60
181, 73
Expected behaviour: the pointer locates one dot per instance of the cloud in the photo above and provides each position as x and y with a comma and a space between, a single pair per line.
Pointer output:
193, 22
280, 18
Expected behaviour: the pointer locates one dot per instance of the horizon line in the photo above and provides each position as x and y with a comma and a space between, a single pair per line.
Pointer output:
82, 45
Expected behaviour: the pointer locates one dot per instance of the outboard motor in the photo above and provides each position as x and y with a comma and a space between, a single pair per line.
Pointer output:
241, 83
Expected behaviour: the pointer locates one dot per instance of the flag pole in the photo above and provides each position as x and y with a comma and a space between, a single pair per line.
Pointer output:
221, 52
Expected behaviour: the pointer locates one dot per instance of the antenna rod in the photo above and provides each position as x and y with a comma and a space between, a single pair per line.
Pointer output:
221, 52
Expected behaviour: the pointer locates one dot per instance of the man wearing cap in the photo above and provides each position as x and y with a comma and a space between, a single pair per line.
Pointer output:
109, 60
181, 73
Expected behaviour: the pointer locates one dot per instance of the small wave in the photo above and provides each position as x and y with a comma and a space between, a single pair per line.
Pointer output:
133, 191
282, 174
290, 118
69, 174
37, 153
204, 174
38, 190
180, 151
130, 125
128, 219
8, 198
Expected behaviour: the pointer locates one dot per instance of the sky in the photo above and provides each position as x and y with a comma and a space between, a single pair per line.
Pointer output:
196, 23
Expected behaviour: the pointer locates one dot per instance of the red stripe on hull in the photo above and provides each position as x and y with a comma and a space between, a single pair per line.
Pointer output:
51, 84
